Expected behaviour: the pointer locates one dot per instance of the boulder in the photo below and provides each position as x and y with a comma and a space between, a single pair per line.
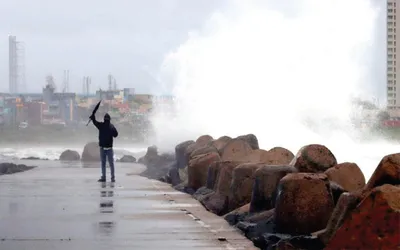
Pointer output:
314, 158
201, 193
173, 175
258, 156
183, 187
288, 242
347, 175
237, 215
159, 170
198, 169
218, 202
251, 139
127, 159
242, 184
180, 153
201, 150
11, 168
212, 175
183, 173
70, 155
387, 172
275, 156
266, 180
279, 156
260, 216
336, 190
225, 177
346, 203
236, 150
189, 151
304, 203
204, 140
220, 143
374, 224
91, 152
151, 157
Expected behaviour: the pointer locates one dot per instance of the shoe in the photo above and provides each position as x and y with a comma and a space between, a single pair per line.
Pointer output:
102, 180
112, 179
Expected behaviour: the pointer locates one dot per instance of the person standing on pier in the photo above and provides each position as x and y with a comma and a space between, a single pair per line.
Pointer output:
107, 133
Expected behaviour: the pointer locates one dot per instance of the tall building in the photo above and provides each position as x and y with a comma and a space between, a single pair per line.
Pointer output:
12, 65
16, 65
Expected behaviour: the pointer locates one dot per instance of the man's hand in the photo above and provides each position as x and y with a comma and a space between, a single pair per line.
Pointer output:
92, 117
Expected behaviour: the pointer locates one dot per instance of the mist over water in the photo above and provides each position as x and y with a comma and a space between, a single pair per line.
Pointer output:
286, 74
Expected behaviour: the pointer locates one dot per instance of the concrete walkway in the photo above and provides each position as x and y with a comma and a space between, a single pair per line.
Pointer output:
58, 206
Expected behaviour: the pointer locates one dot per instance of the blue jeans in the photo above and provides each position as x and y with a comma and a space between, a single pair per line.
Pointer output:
104, 154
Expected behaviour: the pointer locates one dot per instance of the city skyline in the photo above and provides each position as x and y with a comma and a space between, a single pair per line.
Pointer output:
129, 40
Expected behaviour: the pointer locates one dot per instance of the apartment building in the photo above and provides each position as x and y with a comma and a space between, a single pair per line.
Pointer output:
392, 69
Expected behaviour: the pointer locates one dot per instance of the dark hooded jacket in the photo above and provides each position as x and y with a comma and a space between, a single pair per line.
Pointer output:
107, 131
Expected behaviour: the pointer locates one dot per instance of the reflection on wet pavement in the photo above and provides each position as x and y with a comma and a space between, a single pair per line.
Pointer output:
60, 207
106, 207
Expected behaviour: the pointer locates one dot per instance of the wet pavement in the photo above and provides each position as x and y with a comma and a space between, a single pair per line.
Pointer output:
61, 206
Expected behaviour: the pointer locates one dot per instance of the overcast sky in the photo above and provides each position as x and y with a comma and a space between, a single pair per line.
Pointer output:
97, 37
122, 37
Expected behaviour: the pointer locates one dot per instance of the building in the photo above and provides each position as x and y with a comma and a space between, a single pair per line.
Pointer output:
60, 105
392, 71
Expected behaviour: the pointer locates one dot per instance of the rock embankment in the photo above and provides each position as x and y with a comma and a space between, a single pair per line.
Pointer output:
11, 168
285, 201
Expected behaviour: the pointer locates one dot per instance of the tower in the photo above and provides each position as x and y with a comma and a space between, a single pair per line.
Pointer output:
16, 65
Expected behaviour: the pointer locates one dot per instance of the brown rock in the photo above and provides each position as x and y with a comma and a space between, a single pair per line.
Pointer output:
304, 203
258, 156
204, 140
387, 172
374, 224
237, 215
251, 139
266, 180
216, 203
260, 216
221, 142
198, 169
180, 153
280, 156
212, 175
225, 177
275, 156
242, 184
346, 203
314, 158
236, 150
203, 150
347, 175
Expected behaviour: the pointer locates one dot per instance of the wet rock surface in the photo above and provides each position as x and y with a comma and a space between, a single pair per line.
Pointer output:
304, 203
314, 158
70, 155
11, 168
373, 224
91, 152
348, 175
158, 166
285, 201
127, 159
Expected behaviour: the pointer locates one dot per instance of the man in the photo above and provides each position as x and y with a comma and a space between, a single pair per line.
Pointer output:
107, 132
